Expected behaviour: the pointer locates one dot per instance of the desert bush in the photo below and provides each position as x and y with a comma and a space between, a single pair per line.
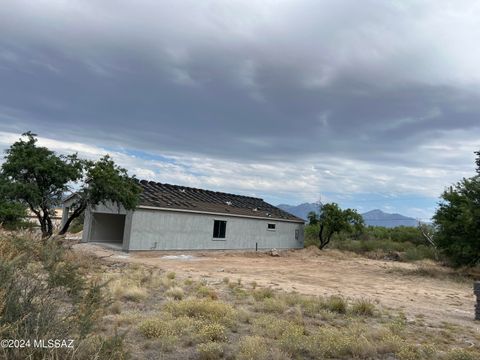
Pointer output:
39, 301
293, 340
171, 275
271, 305
176, 293
206, 292
252, 348
269, 326
212, 332
210, 351
420, 252
263, 293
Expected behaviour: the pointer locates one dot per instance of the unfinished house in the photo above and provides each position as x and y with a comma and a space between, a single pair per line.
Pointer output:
171, 217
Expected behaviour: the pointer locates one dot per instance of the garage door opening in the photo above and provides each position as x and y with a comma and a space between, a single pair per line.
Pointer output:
108, 228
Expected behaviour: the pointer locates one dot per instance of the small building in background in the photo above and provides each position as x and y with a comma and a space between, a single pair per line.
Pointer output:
171, 217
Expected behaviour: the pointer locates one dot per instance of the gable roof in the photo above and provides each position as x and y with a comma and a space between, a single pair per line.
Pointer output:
166, 196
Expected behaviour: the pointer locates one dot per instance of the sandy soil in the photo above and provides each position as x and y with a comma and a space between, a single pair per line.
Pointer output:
310, 271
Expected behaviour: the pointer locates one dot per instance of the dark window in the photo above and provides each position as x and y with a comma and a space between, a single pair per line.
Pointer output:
219, 228
271, 226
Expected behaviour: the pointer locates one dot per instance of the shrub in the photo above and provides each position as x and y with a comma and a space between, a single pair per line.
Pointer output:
263, 293
175, 293
293, 340
271, 305
212, 332
269, 326
252, 348
210, 351
206, 292
171, 275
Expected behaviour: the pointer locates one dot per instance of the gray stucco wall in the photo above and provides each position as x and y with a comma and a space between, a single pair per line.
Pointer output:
167, 230
147, 229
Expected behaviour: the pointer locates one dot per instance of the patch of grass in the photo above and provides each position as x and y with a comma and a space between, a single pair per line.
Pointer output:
460, 354
210, 351
363, 307
336, 304
171, 275
350, 342
211, 310
130, 292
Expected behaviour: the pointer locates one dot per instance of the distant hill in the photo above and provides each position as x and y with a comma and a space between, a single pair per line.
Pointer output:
301, 210
372, 218
379, 218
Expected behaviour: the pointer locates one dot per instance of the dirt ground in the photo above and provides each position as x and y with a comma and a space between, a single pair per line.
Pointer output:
310, 271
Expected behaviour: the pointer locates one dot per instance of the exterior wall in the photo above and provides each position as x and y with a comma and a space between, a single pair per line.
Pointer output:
169, 230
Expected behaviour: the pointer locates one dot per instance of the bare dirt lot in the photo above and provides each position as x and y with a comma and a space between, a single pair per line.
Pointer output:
310, 271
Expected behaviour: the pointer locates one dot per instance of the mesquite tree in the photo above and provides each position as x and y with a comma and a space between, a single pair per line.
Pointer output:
332, 219
39, 178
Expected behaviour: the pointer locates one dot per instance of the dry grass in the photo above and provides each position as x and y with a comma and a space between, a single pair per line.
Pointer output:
170, 317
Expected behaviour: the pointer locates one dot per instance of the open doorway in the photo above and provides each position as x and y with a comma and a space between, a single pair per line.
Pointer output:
108, 228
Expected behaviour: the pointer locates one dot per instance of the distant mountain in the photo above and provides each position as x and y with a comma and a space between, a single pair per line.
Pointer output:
372, 218
379, 218
301, 210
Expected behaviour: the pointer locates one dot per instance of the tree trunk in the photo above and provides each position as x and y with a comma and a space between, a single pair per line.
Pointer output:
76, 213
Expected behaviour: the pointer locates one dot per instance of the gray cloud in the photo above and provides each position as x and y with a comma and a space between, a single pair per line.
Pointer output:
291, 81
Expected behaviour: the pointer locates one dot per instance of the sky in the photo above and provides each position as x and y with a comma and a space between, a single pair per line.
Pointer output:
371, 104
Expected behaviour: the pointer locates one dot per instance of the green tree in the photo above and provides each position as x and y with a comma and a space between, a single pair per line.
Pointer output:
334, 220
312, 218
39, 178
104, 182
458, 222
11, 211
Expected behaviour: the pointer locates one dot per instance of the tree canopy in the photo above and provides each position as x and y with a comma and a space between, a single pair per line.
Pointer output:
39, 178
332, 219
457, 220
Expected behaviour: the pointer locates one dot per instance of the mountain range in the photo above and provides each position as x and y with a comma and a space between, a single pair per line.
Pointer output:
372, 218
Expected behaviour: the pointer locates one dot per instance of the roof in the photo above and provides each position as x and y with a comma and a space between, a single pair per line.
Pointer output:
183, 198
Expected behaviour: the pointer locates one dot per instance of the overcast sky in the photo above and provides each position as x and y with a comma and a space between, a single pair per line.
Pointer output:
372, 104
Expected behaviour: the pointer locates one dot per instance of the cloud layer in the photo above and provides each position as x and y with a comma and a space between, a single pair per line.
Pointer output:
283, 97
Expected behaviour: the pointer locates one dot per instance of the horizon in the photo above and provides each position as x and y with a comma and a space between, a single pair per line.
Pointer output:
274, 100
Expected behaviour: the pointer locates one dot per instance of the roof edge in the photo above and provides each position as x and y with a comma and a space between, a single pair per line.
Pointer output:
299, 221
